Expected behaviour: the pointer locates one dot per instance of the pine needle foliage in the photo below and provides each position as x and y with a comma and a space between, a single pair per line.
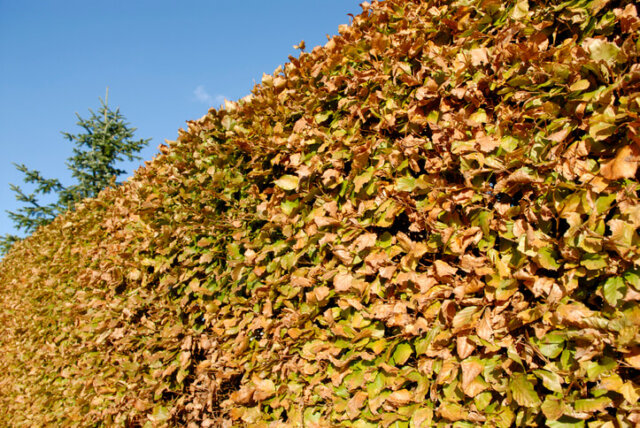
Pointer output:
105, 140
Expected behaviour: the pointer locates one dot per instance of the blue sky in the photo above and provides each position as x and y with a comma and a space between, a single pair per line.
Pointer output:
165, 62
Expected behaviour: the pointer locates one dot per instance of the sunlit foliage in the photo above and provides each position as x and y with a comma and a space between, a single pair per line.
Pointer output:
430, 221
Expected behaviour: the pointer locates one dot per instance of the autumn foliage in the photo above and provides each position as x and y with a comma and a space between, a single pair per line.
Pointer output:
430, 221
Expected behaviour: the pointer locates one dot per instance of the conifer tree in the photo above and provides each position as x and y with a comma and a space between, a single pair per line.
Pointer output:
106, 139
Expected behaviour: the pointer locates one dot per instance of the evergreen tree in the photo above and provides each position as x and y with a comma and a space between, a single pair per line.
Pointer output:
106, 139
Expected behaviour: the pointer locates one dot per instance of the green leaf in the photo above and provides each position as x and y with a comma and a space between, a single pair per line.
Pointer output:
361, 423
422, 344
614, 290
422, 417
551, 345
402, 353
387, 213
287, 182
354, 380
482, 218
597, 368
547, 258
633, 278
377, 386
311, 417
479, 116
288, 207
523, 391
288, 261
482, 400
550, 380
384, 240
602, 50
406, 184
361, 180
160, 414
508, 143
321, 117
433, 116
593, 261
601, 130
604, 202
590, 405
504, 417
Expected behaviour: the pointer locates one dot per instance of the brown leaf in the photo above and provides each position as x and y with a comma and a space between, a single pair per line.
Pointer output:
484, 329
448, 372
342, 281
487, 143
343, 254
300, 281
628, 18
470, 371
559, 136
355, 404
330, 177
633, 357
243, 396
443, 269
574, 313
365, 241
400, 397
464, 347
265, 388
624, 165
521, 176
326, 221
468, 263
378, 43
452, 411
479, 56
321, 292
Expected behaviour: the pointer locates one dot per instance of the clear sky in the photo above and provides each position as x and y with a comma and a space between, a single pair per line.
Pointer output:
165, 62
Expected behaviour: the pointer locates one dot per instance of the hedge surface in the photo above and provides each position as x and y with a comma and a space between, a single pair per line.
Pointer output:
430, 221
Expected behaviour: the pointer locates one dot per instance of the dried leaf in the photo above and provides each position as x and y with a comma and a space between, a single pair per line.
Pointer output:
464, 318
443, 269
287, 182
624, 165
355, 404
471, 368
464, 346
633, 357
265, 388
452, 411
553, 408
400, 397
342, 281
